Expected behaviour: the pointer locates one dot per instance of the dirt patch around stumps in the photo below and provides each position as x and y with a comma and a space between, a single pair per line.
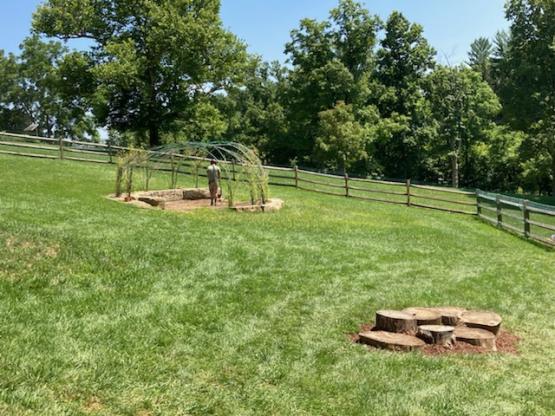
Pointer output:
469, 332
507, 343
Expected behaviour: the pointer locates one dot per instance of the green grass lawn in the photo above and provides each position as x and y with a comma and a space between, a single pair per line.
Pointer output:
107, 309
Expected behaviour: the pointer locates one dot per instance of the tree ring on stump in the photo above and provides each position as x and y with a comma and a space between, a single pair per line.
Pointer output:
489, 321
437, 334
476, 336
424, 316
391, 341
396, 321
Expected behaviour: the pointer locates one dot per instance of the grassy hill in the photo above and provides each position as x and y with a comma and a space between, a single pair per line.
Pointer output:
107, 309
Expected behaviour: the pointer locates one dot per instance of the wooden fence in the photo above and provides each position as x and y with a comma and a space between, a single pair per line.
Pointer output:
528, 219
400, 193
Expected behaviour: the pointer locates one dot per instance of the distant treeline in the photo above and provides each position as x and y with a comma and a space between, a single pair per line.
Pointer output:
357, 93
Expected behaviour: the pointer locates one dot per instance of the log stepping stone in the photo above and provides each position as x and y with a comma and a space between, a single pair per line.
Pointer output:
476, 336
437, 334
424, 316
396, 322
489, 321
450, 315
391, 341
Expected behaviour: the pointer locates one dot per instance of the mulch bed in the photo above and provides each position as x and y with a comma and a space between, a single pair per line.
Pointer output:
507, 343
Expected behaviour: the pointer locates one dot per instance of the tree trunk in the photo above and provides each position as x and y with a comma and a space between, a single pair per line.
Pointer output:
476, 336
391, 341
424, 316
396, 321
450, 315
490, 321
154, 136
437, 334
553, 175
455, 168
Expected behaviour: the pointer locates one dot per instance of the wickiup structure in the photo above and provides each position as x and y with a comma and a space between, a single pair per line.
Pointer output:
242, 170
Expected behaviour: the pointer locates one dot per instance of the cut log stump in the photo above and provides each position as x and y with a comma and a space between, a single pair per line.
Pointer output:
437, 334
476, 336
489, 321
391, 341
450, 315
424, 316
397, 322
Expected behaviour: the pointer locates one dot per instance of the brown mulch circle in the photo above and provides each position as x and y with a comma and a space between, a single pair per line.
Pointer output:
507, 343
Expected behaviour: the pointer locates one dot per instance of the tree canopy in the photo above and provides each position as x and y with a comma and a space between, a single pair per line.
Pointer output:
356, 93
152, 59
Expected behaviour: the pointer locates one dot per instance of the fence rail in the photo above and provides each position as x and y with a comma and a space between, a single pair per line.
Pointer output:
456, 201
515, 215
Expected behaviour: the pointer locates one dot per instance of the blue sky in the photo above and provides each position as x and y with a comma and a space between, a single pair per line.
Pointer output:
450, 25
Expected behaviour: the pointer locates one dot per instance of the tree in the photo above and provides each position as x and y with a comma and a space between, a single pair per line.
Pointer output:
331, 62
254, 111
404, 59
354, 35
43, 86
37, 91
153, 59
11, 117
529, 96
202, 123
463, 107
479, 57
497, 160
342, 140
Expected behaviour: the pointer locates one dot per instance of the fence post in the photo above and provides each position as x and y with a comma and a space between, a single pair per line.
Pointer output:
110, 151
478, 206
61, 146
346, 185
233, 171
296, 176
119, 175
526, 215
174, 171
408, 193
499, 211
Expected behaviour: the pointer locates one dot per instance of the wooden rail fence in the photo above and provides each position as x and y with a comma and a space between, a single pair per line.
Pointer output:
518, 216
399, 193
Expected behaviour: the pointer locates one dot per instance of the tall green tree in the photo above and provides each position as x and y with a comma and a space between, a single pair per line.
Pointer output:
529, 97
254, 111
153, 59
331, 62
37, 94
43, 87
479, 57
403, 61
464, 108
11, 117
342, 140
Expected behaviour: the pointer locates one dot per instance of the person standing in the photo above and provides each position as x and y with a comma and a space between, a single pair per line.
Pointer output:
214, 175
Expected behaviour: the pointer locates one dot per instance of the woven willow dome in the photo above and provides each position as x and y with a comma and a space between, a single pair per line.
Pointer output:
242, 170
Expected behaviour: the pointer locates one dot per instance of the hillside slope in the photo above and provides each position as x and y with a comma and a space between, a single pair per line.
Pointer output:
108, 309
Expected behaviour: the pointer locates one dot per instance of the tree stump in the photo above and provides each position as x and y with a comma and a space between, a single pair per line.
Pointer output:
424, 316
476, 336
489, 321
397, 322
391, 341
437, 334
450, 315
